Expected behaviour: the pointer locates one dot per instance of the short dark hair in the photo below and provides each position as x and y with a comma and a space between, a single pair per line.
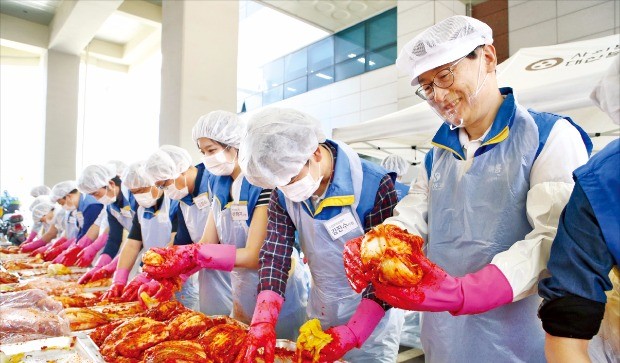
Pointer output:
473, 54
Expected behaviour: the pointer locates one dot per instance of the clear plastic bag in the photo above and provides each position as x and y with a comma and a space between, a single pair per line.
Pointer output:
30, 314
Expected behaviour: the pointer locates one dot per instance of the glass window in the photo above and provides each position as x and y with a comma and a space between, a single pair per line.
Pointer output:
294, 88
273, 73
253, 102
295, 65
349, 43
321, 54
350, 68
272, 95
321, 78
381, 30
381, 58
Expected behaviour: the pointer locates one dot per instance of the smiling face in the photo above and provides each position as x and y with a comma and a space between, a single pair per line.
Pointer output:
464, 98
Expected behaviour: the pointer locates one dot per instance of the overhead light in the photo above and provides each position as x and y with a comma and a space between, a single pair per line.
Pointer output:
324, 76
361, 59
371, 63
352, 55
291, 89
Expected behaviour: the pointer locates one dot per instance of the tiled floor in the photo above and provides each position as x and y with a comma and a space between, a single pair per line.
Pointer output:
410, 355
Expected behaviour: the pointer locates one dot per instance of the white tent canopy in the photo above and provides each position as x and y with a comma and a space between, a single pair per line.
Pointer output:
557, 78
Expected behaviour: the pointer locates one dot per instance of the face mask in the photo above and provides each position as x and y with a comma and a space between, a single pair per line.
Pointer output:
217, 163
173, 193
303, 188
146, 200
105, 200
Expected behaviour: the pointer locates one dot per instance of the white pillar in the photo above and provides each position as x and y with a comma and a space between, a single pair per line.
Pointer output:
199, 65
61, 111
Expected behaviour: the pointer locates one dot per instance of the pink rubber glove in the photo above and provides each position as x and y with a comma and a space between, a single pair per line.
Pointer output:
354, 333
31, 236
87, 255
438, 291
57, 248
130, 293
32, 245
101, 263
118, 284
160, 290
41, 250
181, 259
358, 278
68, 256
84, 241
262, 331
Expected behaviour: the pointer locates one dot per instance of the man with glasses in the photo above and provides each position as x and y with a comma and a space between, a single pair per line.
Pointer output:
486, 203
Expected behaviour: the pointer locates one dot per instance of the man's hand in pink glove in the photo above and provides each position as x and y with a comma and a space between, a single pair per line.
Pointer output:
262, 331
358, 278
438, 291
160, 291
354, 333
176, 260
101, 263
69, 256
31, 246
130, 293
86, 256
57, 248
118, 284
31, 236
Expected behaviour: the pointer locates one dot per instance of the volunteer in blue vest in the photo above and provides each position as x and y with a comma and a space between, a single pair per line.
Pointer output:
154, 225
172, 170
236, 227
329, 195
397, 164
103, 183
486, 203
585, 249
83, 211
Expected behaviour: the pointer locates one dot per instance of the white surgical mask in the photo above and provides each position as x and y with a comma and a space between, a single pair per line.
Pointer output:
146, 200
303, 188
173, 193
105, 200
217, 163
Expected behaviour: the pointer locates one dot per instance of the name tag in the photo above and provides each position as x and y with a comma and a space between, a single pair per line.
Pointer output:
340, 225
202, 201
239, 212
126, 213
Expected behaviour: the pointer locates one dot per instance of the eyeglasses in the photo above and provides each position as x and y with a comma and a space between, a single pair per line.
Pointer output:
442, 79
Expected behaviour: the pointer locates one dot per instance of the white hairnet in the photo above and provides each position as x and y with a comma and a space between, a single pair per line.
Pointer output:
396, 164
278, 143
442, 43
61, 189
41, 209
39, 199
95, 177
119, 166
168, 163
136, 177
221, 126
40, 190
606, 94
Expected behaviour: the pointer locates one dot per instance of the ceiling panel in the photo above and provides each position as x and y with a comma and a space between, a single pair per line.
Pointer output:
36, 11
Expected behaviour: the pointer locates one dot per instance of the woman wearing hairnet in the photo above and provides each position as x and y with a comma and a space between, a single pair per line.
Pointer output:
397, 164
171, 169
35, 192
329, 195
585, 249
40, 208
486, 203
84, 216
153, 225
236, 227
103, 183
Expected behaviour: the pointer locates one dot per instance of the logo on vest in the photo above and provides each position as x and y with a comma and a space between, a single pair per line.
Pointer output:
435, 183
